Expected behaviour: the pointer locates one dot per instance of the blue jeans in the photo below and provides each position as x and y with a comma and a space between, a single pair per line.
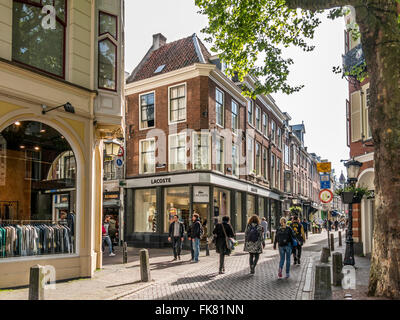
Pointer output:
108, 241
285, 252
196, 248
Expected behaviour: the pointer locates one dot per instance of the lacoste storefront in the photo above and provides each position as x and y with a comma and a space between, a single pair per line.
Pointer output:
151, 203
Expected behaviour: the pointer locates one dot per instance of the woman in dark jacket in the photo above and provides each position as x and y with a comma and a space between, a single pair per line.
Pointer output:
222, 239
254, 241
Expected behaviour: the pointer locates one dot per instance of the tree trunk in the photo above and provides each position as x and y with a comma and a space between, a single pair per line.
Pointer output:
380, 39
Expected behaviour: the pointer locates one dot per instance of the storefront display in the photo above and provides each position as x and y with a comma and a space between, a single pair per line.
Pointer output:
37, 193
222, 201
261, 206
177, 202
145, 210
239, 224
251, 206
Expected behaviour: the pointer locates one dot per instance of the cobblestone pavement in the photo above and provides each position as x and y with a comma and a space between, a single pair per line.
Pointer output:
205, 283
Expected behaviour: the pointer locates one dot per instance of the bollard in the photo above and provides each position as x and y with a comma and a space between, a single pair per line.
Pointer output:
337, 266
125, 253
272, 236
322, 288
325, 253
36, 283
207, 249
340, 238
332, 242
144, 265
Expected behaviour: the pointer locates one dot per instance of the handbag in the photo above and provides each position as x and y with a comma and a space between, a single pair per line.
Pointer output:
230, 243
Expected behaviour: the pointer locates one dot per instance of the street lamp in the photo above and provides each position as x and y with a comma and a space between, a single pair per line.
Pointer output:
353, 168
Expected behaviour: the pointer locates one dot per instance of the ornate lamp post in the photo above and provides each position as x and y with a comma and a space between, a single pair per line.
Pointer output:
353, 168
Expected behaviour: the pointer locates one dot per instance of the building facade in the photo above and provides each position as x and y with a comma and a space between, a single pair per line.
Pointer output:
51, 159
359, 139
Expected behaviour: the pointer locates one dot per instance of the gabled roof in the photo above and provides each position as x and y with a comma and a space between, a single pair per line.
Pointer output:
173, 56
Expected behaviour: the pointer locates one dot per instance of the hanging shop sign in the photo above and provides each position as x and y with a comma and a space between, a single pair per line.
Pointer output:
325, 195
201, 194
324, 167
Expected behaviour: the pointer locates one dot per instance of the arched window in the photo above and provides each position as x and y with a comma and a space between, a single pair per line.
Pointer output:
34, 42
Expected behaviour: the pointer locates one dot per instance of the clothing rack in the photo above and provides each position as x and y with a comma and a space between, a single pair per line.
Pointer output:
29, 221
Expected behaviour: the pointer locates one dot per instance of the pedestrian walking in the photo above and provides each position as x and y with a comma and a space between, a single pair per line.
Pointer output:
190, 240
284, 238
264, 224
195, 233
223, 233
106, 237
305, 227
254, 241
298, 230
176, 232
336, 225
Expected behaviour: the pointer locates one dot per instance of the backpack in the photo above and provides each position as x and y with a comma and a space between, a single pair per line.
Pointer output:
253, 234
284, 237
297, 231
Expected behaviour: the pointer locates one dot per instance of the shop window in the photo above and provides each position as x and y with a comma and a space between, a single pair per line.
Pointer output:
239, 213
107, 65
145, 210
177, 103
147, 156
147, 104
177, 202
177, 152
251, 206
201, 151
219, 107
261, 207
222, 204
37, 192
37, 47
220, 163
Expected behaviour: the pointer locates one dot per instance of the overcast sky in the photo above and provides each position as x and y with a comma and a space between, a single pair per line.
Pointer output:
320, 104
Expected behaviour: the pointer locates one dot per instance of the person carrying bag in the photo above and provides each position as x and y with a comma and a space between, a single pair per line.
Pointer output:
223, 233
286, 239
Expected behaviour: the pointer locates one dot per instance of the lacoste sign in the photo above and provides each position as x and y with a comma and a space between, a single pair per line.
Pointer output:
160, 180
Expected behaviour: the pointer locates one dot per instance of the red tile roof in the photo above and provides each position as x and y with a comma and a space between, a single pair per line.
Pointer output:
174, 56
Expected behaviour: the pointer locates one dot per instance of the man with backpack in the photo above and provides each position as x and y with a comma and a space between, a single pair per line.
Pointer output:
298, 230
196, 233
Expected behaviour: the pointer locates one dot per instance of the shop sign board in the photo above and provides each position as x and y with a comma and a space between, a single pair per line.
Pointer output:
201, 194
325, 195
324, 167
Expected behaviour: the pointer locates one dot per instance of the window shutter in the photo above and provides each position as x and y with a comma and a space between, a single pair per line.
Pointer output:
366, 105
348, 123
355, 116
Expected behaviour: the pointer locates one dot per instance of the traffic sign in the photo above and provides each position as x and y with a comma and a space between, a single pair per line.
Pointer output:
325, 181
121, 151
325, 195
324, 167
119, 162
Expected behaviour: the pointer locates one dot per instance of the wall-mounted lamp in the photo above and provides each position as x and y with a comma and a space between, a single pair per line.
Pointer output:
67, 107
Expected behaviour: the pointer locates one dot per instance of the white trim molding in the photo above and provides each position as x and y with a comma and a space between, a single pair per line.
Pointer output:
365, 157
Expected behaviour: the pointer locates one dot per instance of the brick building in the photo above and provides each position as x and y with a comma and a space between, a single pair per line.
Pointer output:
194, 143
359, 140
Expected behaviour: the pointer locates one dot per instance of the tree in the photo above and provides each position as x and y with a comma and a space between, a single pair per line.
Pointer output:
243, 29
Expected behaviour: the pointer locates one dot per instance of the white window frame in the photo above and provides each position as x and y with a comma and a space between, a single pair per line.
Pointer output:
273, 132
169, 103
140, 110
265, 162
250, 141
169, 150
266, 124
273, 170
223, 108
258, 109
223, 154
259, 173
250, 103
279, 137
193, 149
234, 130
140, 156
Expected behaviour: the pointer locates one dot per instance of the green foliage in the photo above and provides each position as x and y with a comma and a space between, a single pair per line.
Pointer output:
359, 192
243, 31
295, 210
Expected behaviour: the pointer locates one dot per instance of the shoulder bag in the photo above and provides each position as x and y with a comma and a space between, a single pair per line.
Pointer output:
230, 243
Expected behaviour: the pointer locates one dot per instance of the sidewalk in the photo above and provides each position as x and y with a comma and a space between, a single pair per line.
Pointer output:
362, 265
116, 280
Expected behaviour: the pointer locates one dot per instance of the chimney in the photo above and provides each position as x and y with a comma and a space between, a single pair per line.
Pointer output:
158, 41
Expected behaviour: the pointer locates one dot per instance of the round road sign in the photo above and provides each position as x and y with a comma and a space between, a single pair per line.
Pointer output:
326, 195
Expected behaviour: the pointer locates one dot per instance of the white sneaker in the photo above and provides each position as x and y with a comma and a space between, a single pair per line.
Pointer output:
111, 254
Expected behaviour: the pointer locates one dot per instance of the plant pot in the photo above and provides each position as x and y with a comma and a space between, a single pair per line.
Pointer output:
347, 196
357, 199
